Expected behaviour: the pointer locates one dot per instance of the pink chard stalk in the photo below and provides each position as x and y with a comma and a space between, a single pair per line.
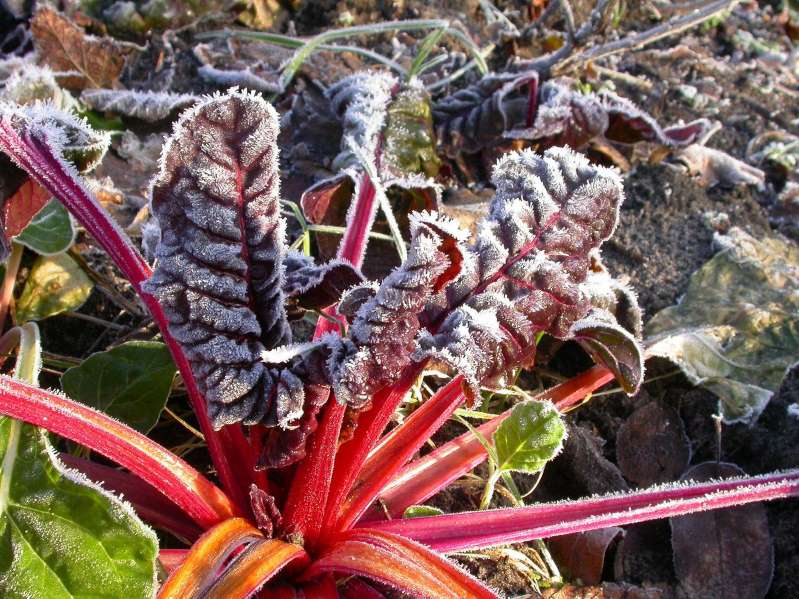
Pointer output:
304, 508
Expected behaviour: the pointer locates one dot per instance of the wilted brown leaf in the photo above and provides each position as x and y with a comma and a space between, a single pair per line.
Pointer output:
82, 60
582, 555
651, 445
720, 554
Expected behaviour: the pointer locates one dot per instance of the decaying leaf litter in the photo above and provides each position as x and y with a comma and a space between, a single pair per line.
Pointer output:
490, 78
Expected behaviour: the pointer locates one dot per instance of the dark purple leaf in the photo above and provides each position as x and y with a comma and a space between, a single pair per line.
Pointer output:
475, 117
386, 324
722, 553
309, 286
218, 275
612, 346
651, 445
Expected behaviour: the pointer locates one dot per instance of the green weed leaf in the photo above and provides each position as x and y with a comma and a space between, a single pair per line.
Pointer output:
420, 511
50, 231
130, 382
410, 145
56, 284
531, 436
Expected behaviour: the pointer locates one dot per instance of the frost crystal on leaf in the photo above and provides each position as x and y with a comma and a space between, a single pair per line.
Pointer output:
147, 106
219, 271
565, 116
360, 101
387, 321
524, 276
311, 286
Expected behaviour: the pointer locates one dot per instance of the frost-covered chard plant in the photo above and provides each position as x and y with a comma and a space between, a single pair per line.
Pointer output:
307, 510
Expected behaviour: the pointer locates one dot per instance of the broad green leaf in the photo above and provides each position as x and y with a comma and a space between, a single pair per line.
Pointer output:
420, 511
50, 231
56, 284
130, 382
61, 536
736, 329
531, 436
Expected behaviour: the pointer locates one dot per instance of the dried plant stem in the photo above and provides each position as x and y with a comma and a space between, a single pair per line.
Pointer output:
674, 26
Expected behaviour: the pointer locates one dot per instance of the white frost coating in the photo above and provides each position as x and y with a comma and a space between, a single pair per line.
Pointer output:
148, 106
286, 353
363, 98
240, 78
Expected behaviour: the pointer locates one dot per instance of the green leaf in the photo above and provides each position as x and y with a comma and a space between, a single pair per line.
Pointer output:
736, 329
56, 284
50, 231
420, 511
62, 536
409, 145
531, 436
130, 382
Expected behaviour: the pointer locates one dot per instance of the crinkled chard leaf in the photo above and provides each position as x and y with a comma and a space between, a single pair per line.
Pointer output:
130, 382
55, 284
386, 147
511, 105
532, 435
615, 297
476, 116
525, 273
62, 536
386, 323
51, 231
76, 142
148, 106
20, 197
219, 269
565, 116
736, 329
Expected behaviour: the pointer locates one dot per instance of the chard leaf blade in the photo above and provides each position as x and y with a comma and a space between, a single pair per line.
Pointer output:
61, 536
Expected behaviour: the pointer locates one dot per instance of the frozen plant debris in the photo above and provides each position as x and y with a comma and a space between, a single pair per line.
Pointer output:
147, 106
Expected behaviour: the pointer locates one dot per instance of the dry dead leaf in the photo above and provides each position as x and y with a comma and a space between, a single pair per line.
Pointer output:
582, 555
606, 591
80, 60
651, 445
720, 554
